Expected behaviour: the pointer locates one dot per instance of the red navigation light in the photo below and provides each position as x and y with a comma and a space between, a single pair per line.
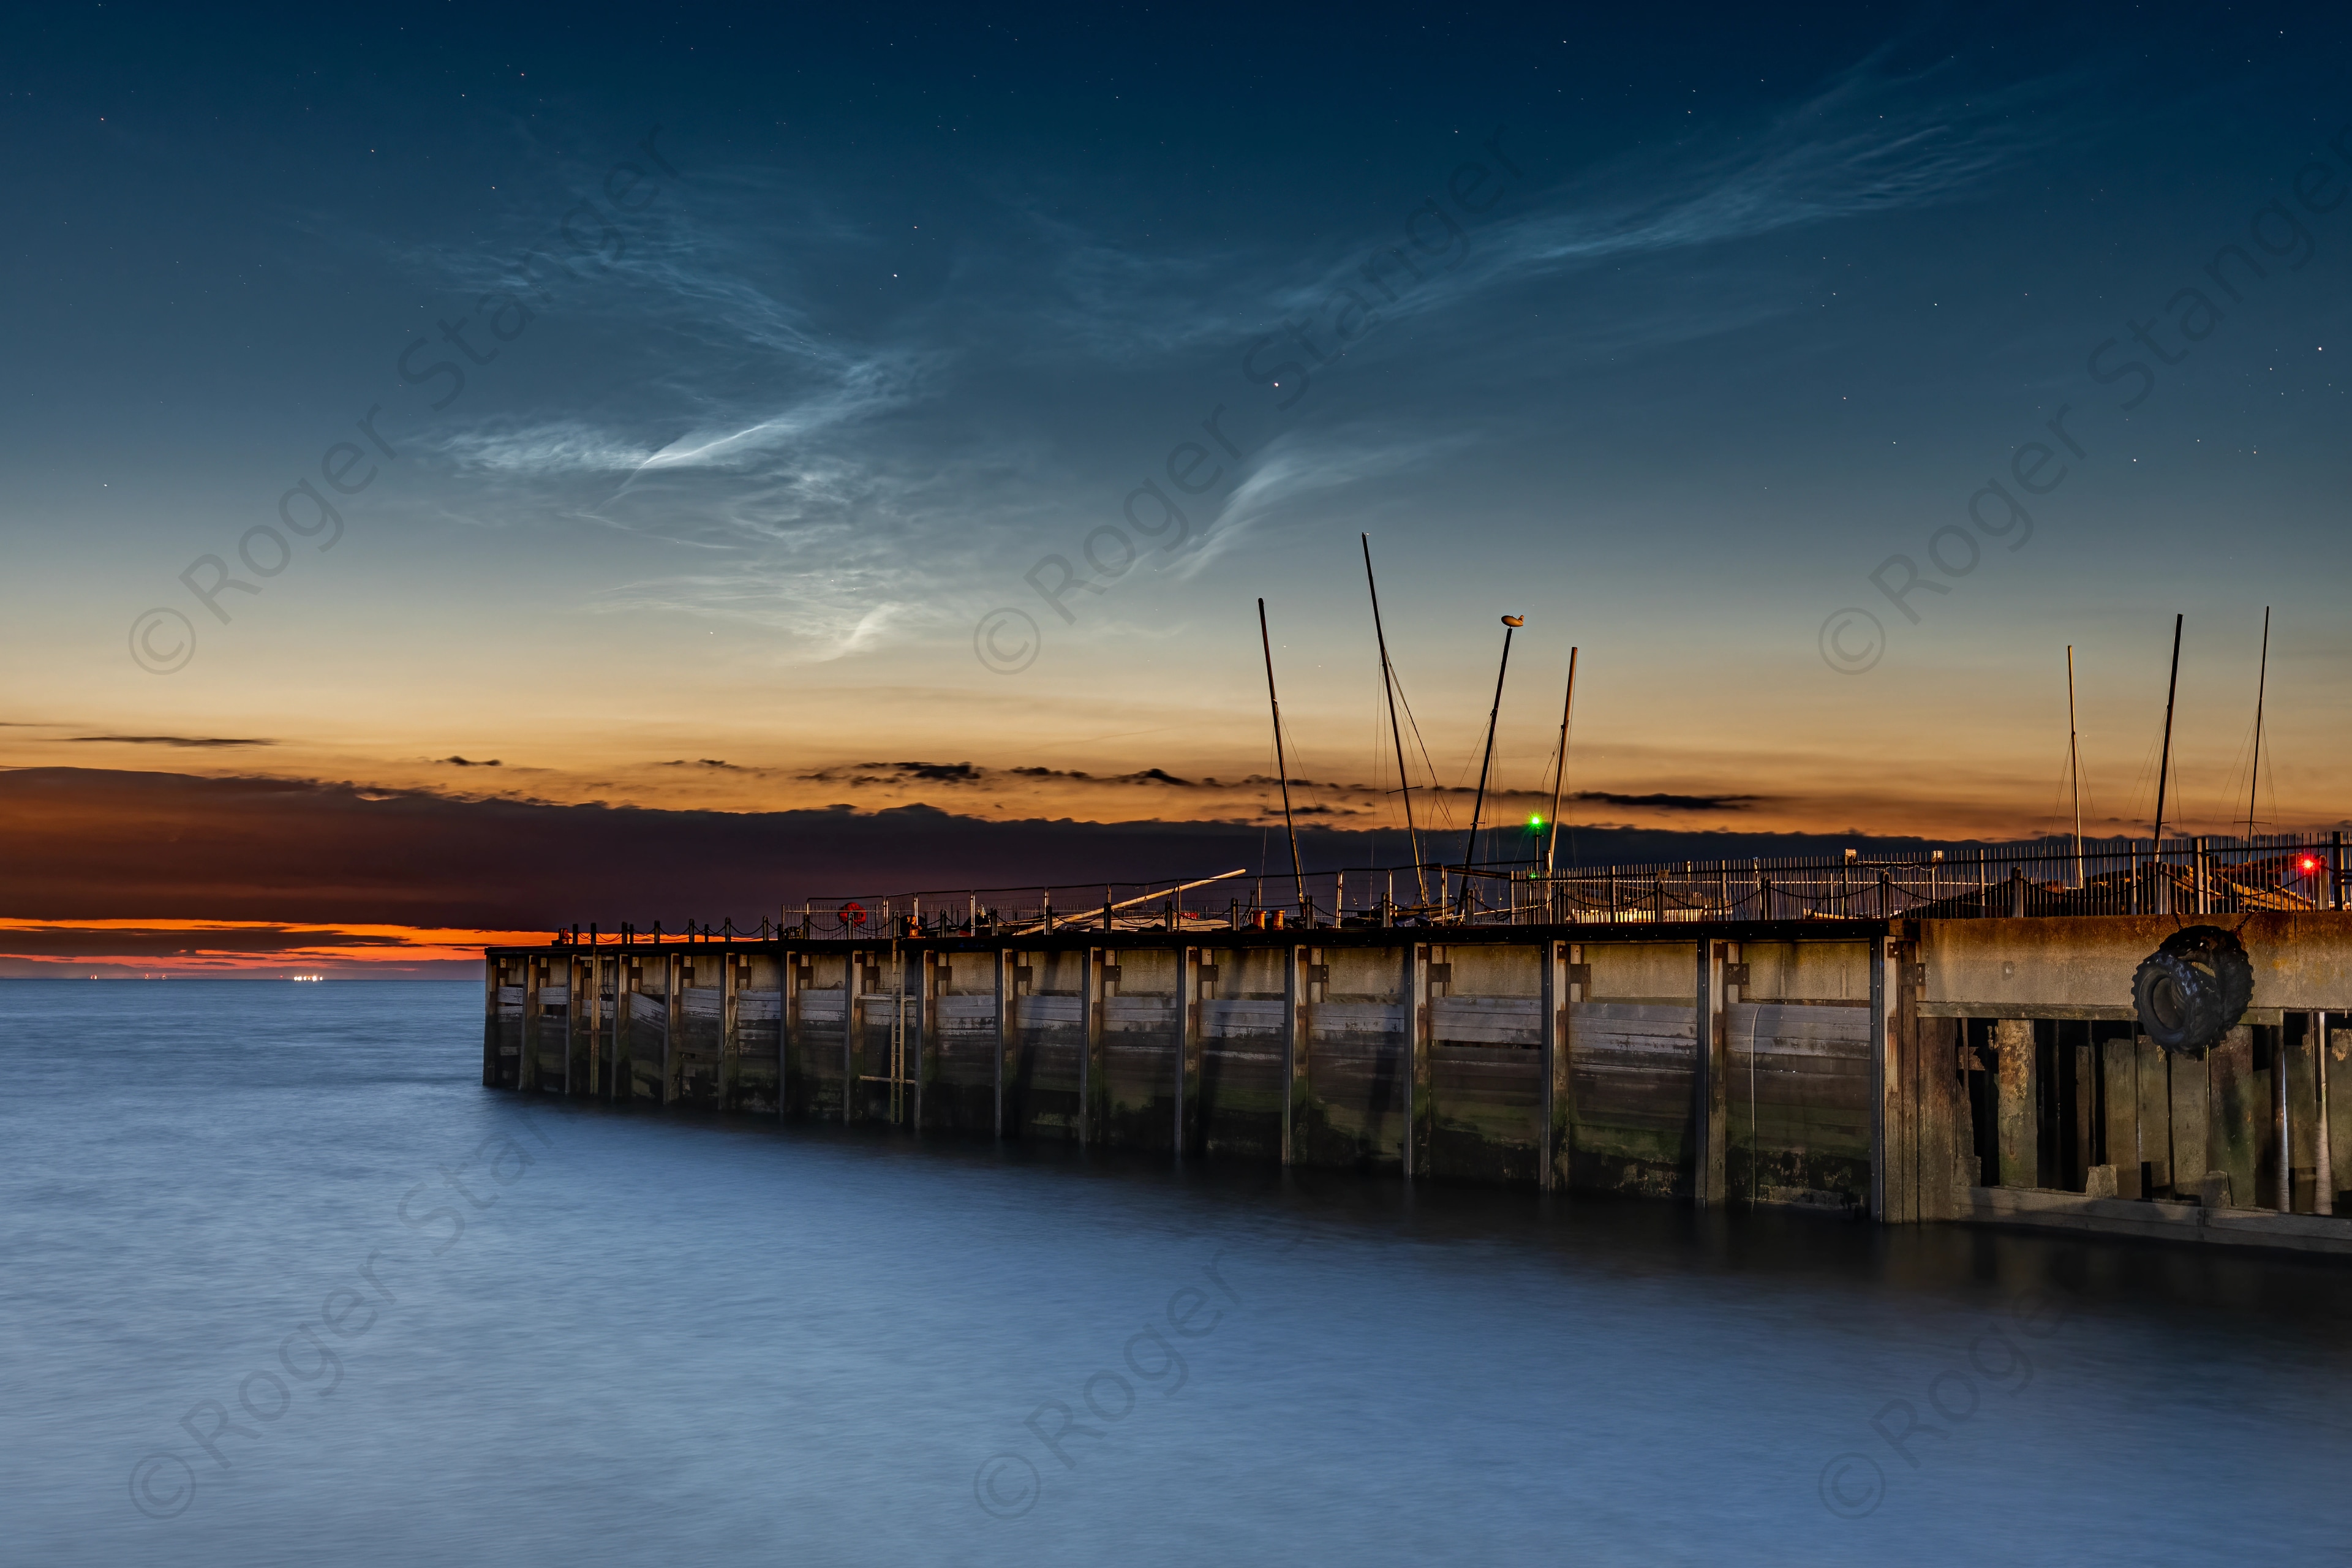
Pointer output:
2307, 865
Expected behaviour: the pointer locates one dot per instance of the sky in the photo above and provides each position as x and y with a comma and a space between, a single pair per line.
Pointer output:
697, 418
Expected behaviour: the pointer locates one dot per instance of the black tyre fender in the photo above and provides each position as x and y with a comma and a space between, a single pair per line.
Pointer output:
2222, 955
2179, 1004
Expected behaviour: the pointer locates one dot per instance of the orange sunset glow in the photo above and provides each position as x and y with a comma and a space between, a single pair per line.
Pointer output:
181, 948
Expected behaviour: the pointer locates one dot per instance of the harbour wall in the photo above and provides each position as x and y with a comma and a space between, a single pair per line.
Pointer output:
1981, 1071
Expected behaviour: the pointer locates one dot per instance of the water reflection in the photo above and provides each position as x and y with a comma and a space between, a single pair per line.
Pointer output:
626, 1337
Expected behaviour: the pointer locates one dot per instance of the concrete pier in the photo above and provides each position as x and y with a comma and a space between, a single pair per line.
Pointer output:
1969, 1070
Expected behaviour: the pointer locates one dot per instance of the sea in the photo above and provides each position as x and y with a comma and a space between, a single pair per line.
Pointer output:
280, 1282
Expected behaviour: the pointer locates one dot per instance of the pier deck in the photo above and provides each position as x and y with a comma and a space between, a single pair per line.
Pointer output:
1982, 1070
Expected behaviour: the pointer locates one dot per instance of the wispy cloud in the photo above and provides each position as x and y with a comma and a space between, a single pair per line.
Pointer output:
559, 446
1869, 142
1296, 472
844, 458
187, 741
1671, 802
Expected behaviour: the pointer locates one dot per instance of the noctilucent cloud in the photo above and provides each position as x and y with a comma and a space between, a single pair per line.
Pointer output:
696, 408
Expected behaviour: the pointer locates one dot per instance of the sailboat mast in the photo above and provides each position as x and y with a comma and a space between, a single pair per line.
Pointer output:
1559, 768
2164, 768
1387, 685
1281, 765
2075, 764
1470, 848
2260, 681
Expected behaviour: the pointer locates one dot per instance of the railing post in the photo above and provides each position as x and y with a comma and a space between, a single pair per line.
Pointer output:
2336, 870
2200, 888
2017, 893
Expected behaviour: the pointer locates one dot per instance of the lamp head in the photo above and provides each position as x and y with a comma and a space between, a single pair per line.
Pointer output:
1515, 620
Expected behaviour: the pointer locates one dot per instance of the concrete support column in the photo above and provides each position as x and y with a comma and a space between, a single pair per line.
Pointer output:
2282, 1196
609, 983
671, 1063
2238, 1115
2323, 1160
621, 1083
1894, 998
1090, 1059
492, 972
2083, 1061
853, 978
2190, 1091
534, 975
591, 1025
788, 1027
1295, 988
1418, 1108
1003, 1033
1711, 1086
1891, 1140
616, 1037
1015, 1064
1554, 1039
1188, 1049
579, 1025
730, 1038
2120, 1095
2016, 1095
1944, 1150
930, 985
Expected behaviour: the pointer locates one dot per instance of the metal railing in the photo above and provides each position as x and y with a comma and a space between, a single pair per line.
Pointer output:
2201, 875
2182, 876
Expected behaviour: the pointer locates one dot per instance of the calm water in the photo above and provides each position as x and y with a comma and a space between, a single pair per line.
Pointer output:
670, 1338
